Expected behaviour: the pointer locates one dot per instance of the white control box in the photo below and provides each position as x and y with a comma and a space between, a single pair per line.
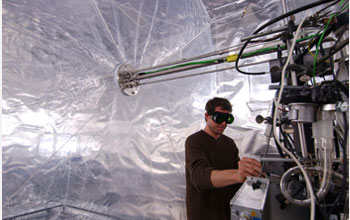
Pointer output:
249, 201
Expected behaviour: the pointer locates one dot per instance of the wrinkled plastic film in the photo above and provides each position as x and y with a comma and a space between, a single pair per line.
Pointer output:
71, 137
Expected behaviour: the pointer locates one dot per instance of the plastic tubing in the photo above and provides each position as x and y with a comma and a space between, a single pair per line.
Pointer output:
327, 166
307, 179
326, 170
323, 137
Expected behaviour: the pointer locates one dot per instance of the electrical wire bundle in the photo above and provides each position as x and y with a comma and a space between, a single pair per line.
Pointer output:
327, 23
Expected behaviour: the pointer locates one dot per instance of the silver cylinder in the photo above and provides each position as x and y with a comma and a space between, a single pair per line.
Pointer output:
302, 112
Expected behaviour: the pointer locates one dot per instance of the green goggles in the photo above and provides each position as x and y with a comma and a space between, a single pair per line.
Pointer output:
219, 117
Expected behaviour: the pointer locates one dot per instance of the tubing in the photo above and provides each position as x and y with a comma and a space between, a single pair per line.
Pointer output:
308, 182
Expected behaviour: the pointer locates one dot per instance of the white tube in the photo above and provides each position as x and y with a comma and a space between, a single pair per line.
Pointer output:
307, 179
322, 131
327, 148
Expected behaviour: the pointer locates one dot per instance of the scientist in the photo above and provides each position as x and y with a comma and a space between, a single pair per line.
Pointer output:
214, 171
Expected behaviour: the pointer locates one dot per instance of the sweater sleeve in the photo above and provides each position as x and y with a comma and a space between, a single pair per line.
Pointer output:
197, 165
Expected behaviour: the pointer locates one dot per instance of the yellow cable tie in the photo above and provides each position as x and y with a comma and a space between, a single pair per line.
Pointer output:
232, 57
313, 55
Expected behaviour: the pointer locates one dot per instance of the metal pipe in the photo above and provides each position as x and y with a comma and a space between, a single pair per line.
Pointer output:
263, 34
179, 69
302, 139
220, 52
293, 74
202, 73
278, 159
169, 71
284, 9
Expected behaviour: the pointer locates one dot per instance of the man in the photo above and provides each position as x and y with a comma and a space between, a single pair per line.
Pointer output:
214, 171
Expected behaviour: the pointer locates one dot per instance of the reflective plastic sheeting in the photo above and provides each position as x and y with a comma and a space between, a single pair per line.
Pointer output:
72, 138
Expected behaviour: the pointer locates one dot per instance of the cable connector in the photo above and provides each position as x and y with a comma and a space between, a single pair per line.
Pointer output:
342, 106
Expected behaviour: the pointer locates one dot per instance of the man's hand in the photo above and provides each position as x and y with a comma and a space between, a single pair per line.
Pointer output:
248, 167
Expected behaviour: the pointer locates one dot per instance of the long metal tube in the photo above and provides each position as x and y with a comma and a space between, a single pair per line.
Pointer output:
184, 68
220, 52
146, 76
263, 34
293, 74
169, 71
277, 159
302, 139
202, 73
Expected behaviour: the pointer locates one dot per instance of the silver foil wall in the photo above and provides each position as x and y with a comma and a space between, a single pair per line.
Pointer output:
72, 140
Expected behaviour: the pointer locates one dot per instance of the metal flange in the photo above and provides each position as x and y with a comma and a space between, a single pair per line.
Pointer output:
125, 77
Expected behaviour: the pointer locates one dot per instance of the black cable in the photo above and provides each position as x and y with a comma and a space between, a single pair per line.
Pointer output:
342, 31
339, 86
321, 207
266, 40
342, 87
314, 4
320, 63
312, 43
318, 12
337, 149
345, 166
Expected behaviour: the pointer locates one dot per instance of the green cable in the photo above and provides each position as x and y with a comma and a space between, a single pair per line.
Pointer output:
341, 2
274, 48
184, 64
345, 7
258, 51
320, 40
216, 60
317, 48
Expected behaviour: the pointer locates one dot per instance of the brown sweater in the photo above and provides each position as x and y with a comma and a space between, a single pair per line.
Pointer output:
204, 154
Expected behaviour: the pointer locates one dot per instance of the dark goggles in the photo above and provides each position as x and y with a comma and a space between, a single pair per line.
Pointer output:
219, 117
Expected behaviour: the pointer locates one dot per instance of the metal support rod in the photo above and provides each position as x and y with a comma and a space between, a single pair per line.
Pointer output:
302, 139
341, 47
284, 9
169, 71
278, 159
220, 52
293, 74
184, 68
141, 76
263, 34
202, 73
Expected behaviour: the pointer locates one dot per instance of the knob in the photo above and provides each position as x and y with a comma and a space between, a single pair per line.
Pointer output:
245, 216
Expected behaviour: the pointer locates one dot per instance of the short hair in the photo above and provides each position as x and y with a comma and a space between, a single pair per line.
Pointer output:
217, 102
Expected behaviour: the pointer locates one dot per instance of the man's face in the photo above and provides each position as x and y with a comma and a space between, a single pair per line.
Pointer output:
216, 128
